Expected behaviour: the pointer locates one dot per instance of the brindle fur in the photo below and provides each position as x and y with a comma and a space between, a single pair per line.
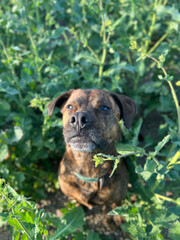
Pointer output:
98, 136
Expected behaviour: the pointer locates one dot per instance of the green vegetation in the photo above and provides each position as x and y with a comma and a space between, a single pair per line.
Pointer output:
126, 46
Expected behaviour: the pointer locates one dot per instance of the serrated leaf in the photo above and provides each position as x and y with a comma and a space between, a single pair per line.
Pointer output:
3, 151
127, 149
161, 144
133, 230
13, 222
27, 217
70, 222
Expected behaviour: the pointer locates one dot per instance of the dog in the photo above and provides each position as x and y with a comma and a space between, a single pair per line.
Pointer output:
90, 126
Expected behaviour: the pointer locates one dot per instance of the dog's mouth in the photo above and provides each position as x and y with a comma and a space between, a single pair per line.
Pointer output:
81, 143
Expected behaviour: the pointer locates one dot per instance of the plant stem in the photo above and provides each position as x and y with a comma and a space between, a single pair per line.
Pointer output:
94, 54
151, 28
105, 40
172, 91
167, 199
34, 48
174, 160
158, 43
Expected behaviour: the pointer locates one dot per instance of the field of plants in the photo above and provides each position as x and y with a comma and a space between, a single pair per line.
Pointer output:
126, 46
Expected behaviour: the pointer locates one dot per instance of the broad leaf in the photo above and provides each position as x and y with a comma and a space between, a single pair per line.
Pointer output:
70, 222
3, 151
128, 149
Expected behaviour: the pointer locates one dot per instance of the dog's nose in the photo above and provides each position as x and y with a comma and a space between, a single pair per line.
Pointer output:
80, 120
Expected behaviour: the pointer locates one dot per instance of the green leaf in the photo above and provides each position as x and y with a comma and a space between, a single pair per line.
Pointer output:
58, 32
168, 78
116, 69
174, 231
12, 192
150, 166
4, 108
173, 26
137, 129
24, 237
5, 87
16, 235
19, 176
87, 56
13, 222
17, 135
78, 236
16, 48
145, 174
4, 216
93, 236
70, 222
161, 144
133, 230
50, 144
3, 151
128, 149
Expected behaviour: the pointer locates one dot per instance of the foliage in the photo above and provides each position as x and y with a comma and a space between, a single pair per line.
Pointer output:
26, 219
49, 47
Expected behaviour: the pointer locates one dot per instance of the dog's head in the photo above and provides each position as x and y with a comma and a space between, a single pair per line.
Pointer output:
91, 117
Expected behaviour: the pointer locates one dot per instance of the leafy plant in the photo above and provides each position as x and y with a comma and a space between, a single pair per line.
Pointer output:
25, 218
49, 47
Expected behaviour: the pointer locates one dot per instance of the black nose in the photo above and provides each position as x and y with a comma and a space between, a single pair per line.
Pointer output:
80, 120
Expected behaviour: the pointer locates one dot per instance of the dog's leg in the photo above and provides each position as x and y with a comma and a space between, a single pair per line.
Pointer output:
73, 192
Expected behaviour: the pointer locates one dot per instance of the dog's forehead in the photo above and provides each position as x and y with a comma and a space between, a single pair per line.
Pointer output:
89, 96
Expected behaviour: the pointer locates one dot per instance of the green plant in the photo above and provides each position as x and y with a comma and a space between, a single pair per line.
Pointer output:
25, 218
148, 219
49, 47
152, 212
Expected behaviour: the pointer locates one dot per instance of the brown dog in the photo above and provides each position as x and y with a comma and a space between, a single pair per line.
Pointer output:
91, 125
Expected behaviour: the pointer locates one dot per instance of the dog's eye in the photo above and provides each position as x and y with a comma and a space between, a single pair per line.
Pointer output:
69, 106
104, 108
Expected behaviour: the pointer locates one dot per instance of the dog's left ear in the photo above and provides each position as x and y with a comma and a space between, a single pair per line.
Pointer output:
127, 107
58, 102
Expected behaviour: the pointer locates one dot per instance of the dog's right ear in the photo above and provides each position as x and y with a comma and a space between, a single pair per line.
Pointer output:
58, 102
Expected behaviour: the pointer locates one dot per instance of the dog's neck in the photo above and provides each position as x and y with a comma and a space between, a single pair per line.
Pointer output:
82, 162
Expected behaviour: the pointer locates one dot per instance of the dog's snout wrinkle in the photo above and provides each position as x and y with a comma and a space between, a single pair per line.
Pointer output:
80, 120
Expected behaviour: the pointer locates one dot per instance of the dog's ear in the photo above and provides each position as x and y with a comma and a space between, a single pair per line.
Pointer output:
127, 107
58, 102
